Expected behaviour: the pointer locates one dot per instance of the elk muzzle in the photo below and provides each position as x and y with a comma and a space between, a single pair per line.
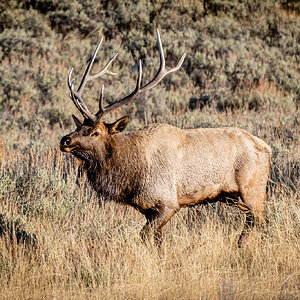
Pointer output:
65, 144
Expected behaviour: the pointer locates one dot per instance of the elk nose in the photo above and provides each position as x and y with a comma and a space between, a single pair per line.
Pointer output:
65, 141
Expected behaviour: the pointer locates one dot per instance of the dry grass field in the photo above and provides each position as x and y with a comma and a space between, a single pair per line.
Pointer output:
57, 239
60, 242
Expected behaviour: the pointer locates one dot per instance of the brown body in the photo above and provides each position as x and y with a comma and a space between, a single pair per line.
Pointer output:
161, 168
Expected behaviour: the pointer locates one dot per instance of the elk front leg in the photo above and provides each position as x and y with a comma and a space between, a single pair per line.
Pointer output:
156, 220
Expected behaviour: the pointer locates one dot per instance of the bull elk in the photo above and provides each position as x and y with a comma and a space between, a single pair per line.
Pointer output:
161, 168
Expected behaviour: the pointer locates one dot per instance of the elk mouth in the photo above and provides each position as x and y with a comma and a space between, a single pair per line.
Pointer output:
69, 148
66, 148
73, 149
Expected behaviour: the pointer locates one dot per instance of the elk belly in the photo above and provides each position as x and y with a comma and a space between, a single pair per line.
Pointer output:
203, 193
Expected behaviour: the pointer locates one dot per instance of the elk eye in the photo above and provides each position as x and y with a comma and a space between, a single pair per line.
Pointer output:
96, 133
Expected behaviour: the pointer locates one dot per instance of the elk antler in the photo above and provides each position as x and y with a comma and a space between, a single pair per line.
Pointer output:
75, 96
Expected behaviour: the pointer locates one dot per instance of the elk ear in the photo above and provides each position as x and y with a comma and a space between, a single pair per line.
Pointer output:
77, 122
118, 126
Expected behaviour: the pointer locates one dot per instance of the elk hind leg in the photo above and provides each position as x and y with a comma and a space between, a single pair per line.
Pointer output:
252, 202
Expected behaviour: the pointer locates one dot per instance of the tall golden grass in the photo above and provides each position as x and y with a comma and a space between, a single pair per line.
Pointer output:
74, 246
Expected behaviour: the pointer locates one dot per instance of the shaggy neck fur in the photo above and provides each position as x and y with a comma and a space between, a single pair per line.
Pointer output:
107, 170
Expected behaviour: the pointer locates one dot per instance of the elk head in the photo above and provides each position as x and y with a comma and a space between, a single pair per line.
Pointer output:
93, 131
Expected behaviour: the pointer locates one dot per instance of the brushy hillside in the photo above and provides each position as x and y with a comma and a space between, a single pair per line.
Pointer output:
242, 69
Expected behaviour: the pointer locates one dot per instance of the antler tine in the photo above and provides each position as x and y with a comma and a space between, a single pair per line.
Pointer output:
161, 51
161, 73
104, 70
101, 106
76, 96
78, 101
86, 77
72, 96
103, 111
